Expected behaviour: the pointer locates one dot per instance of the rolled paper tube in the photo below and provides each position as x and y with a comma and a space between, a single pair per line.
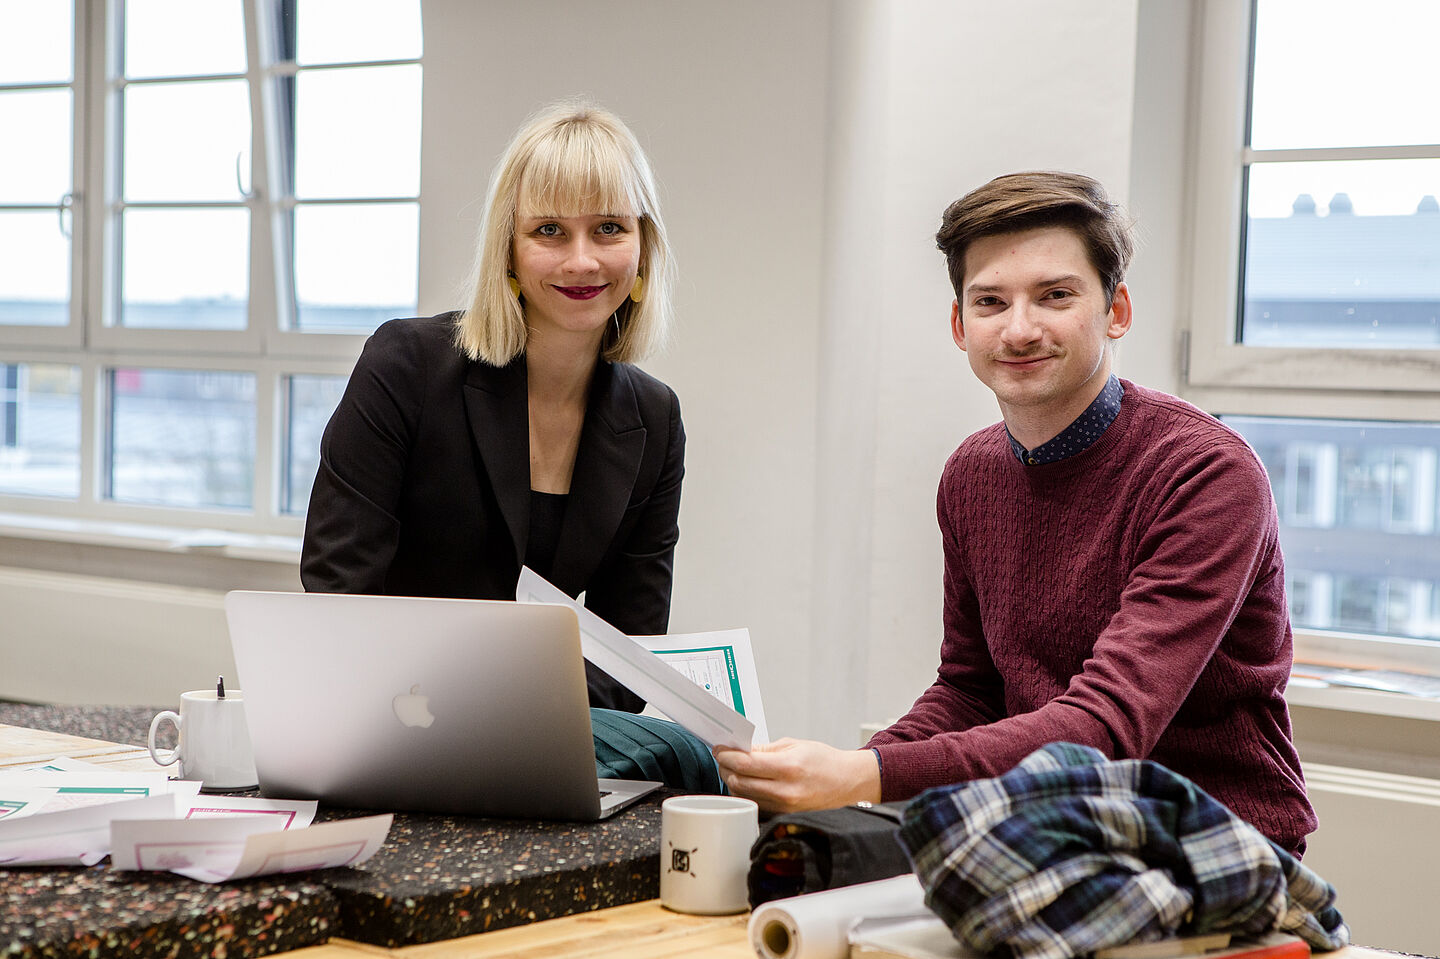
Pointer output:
817, 925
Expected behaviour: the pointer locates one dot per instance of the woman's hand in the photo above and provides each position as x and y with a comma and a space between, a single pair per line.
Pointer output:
789, 775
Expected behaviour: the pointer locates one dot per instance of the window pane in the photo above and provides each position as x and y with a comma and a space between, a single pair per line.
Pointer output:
40, 429
311, 401
35, 282
35, 45
355, 265
1343, 255
182, 437
1330, 74
1359, 520
345, 31
193, 160
358, 132
40, 171
185, 269
169, 38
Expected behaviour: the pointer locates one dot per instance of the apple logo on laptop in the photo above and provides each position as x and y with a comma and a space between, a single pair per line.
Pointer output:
413, 708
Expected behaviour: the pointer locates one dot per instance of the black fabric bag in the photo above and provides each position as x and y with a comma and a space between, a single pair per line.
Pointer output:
811, 851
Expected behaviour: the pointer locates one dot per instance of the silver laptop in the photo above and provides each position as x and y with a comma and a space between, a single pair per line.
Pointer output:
465, 706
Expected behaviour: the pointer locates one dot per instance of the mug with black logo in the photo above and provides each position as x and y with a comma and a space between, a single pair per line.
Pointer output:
705, 853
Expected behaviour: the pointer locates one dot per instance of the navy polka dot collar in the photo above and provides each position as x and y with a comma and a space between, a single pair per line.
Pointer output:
1079, 435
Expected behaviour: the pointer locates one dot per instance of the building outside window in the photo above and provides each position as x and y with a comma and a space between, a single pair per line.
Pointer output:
1315, 323
1358, 517
218, 201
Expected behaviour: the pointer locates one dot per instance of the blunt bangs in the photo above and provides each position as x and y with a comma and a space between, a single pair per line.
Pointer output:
577, 172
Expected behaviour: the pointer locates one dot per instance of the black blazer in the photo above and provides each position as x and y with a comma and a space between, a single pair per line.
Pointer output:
424, 486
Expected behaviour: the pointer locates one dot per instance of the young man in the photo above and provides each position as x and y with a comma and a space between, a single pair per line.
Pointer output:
1113, 573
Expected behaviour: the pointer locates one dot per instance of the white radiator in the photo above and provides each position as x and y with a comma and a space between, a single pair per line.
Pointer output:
85, 639
1379, 845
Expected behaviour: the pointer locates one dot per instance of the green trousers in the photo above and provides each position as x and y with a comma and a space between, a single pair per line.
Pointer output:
630, 746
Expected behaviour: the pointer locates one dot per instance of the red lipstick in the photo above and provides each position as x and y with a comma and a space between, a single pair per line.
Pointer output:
581, 292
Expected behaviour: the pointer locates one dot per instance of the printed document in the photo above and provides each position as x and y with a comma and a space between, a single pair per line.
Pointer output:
706, 714
235, 847
721, 663
70, 813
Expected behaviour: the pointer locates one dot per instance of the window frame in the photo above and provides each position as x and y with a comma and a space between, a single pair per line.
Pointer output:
271, 376
269, 347
72, 204
1225, 377
280, 335
1230, 377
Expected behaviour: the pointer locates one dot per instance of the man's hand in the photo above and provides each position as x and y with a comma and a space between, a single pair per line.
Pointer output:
789, 775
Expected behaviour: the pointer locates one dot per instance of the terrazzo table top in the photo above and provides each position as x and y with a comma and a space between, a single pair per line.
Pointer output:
437, 877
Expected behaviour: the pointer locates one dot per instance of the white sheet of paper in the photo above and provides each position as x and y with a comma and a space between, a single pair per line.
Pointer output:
720, 662
48, 790
78, 836
174, 844
61, 764
644, 673
17, 802
214, 850
290, 813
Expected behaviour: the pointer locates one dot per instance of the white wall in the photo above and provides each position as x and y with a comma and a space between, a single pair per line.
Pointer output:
1159, 197
130, 635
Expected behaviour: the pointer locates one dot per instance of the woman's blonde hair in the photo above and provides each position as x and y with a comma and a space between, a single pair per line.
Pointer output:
570, 159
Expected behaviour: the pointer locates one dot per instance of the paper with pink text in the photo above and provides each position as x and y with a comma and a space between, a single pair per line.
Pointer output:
236, 847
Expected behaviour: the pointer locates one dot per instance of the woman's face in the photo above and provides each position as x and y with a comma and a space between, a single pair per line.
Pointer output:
575, 271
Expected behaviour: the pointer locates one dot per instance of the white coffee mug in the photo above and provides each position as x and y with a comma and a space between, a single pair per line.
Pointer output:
214, 744
705, 853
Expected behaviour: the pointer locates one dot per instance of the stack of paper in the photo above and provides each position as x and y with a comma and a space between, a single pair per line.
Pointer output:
69, 813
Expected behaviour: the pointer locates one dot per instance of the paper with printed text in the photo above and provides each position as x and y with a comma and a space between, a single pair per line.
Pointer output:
720, 662
644, 673
236, 847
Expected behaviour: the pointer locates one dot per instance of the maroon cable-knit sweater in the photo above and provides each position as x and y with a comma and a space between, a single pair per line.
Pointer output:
1130, 597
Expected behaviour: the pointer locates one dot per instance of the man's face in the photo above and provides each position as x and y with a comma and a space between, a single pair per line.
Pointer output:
1032, 319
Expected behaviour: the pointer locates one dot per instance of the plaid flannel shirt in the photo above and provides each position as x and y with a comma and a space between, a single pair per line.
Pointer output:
1070, 852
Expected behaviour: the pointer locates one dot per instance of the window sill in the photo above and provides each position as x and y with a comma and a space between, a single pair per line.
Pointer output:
141, 536
217, 560
1303, 692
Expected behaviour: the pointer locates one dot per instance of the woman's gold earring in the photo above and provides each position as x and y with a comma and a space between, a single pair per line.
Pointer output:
637, 292
514, 284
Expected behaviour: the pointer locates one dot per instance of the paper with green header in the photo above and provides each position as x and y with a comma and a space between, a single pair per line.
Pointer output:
708, 714
721, 663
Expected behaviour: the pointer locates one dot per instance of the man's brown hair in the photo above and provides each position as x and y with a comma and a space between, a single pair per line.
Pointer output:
1028, 201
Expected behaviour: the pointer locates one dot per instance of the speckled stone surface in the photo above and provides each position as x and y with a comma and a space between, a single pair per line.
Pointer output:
128, 725
437, 877
99, 912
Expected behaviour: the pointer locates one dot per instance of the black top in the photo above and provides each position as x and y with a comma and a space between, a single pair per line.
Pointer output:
547, 513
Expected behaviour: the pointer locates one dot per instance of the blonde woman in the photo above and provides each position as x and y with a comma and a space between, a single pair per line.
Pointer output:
516, 431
